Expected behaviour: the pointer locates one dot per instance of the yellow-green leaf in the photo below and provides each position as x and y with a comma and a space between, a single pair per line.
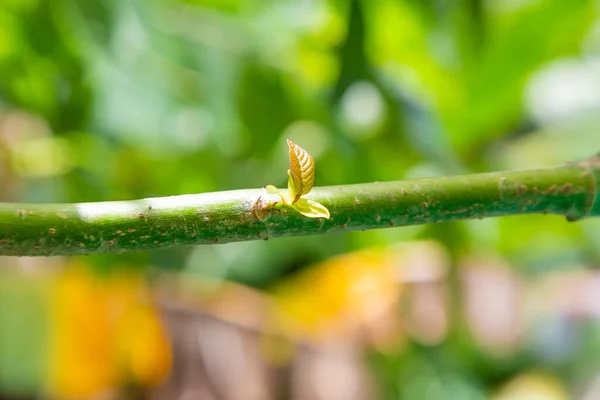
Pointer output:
311, 209
302, 171
272, 189
292, 194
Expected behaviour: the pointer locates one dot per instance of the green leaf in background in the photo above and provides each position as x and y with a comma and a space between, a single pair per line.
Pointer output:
24, 334
520, 42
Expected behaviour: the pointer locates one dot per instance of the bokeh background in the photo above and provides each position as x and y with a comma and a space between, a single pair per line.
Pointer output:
125, 99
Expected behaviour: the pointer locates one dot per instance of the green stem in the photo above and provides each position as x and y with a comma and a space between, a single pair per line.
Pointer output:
208, 218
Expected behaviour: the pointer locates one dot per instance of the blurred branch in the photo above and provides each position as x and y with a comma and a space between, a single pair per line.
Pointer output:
208, 218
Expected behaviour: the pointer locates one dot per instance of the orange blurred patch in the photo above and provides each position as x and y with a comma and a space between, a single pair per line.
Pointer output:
359, 294
348, 290
144, 347
104, 334
83, 357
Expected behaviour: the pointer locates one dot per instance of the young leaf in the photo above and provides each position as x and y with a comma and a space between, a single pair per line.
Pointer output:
272, 189
302, 171
292, 194
311, 209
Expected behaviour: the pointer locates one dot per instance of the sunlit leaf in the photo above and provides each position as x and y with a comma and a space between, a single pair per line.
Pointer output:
272, 189
311, 209
293, 193
302, 171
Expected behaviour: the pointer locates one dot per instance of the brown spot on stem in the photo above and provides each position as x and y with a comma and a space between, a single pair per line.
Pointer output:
163, 234
552, 189
111, 242
521, 189
378, 218
206, 219
149, 207
566, 188
51, 231
404, 192
391, 223
193, 233
425, 205
130, 230
356, 201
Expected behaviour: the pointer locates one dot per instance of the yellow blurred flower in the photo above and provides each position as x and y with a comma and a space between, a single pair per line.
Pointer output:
343, 291
532, 386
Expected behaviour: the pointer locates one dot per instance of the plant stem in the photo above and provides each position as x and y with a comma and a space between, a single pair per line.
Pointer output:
91, 228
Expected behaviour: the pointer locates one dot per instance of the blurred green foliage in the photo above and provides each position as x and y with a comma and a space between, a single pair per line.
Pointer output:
109, 99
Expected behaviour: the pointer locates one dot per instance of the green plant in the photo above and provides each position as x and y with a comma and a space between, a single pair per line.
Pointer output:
301, 178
